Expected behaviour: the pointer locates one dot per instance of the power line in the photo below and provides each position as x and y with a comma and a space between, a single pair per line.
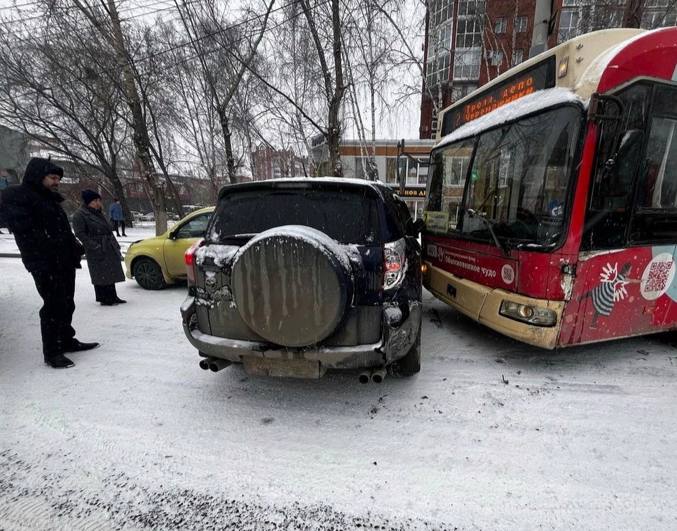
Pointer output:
229, 28
65, 9
68, 8
218, 47
216, 32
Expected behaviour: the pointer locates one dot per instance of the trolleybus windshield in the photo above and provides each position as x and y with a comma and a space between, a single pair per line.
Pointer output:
516, 181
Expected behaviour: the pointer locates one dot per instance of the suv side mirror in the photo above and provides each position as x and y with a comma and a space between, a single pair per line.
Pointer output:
414, 228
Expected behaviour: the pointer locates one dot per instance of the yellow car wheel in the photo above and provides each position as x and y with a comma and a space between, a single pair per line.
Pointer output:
148, 274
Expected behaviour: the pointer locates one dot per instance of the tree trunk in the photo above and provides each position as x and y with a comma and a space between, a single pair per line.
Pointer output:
334, 132
230, 159
140, 128
173, 192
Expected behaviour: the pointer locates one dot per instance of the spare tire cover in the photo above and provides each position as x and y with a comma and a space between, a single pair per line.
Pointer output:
291, 285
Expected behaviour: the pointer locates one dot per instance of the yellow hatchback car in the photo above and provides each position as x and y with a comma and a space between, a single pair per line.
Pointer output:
156, 262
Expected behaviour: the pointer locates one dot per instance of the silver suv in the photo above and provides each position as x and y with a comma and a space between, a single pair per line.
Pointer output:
297, 276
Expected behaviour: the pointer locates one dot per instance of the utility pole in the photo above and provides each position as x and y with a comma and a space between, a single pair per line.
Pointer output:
539, 37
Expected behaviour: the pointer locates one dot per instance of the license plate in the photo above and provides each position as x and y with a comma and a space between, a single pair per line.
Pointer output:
282, 368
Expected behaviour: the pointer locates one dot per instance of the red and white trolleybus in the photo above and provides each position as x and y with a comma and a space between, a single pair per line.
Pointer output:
551, 209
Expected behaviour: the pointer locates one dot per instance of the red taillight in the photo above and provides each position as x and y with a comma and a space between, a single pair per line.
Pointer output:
393, 264
189, 260
394, 261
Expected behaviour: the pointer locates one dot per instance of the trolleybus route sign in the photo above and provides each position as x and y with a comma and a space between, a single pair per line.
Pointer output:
540, 76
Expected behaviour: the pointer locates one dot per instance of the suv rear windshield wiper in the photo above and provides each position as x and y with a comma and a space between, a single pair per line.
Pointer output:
502, 246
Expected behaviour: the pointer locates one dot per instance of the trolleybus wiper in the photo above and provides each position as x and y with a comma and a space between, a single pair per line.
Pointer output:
503, 247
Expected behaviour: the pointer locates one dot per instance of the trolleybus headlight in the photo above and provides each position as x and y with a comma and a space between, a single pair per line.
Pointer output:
528, 314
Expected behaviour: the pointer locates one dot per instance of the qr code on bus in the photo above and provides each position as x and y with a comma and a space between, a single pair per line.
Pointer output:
659, 276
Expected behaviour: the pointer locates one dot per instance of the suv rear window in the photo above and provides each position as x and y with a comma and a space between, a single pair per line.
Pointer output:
346, 215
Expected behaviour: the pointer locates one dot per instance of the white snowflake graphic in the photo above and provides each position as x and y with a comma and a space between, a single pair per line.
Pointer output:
610, 275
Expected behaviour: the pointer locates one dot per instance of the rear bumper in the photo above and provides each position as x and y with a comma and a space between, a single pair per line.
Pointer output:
482, 304
396, 340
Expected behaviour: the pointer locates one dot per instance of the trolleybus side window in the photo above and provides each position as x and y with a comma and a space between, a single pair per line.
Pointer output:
445, 188
655, 219
618, 158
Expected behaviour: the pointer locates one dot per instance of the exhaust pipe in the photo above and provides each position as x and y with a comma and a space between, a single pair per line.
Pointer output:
364, 377
204, 364
378, 375
216, 364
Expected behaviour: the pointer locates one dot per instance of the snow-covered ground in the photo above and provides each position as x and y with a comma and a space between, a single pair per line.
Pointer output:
490, 435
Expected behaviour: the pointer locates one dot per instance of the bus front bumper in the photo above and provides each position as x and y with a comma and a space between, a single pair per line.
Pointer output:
483, 304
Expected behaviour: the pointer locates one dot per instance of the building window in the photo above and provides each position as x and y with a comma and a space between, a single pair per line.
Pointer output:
439, 59
520, 24
470, 8
461, 91
469, 32
437, 69
361, 165
652, 19
439, 39
517, 56
423, 166
495, 58
467, 63
440, 11
582, 16
391, 169
456, 171
501, 25
568, 25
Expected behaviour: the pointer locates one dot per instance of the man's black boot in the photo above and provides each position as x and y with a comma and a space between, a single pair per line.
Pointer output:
118, 300
58, 361
77, 346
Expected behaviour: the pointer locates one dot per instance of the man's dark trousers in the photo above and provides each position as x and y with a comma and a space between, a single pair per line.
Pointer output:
57, 289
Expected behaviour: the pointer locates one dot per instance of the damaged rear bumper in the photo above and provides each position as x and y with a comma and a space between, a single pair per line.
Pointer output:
398, 335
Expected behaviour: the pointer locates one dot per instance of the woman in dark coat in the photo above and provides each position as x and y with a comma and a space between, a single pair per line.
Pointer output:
101, 247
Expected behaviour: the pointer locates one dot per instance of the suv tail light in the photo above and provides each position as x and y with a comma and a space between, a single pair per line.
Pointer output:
394, 263
189, 260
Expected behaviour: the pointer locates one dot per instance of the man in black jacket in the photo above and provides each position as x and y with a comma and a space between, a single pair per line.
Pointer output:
50, 252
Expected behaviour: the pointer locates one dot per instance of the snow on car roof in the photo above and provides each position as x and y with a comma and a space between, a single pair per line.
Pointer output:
378, 186
310, 180
537, 101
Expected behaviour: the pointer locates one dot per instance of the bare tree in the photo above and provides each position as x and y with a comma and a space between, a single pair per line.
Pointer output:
105, 19
55, 94
206, 26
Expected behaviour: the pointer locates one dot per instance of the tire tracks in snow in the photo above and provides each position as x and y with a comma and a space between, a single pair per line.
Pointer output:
32, 500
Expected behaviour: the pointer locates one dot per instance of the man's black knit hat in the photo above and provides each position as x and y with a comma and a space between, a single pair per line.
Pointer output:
38, 168
88, 196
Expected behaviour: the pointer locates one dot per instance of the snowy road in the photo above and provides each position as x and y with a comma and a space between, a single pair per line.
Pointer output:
490, 435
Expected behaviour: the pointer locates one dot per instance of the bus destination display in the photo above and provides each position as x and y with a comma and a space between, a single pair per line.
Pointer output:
540, 76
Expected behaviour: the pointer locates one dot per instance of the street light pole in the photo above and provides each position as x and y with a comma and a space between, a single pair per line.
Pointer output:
539, 36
